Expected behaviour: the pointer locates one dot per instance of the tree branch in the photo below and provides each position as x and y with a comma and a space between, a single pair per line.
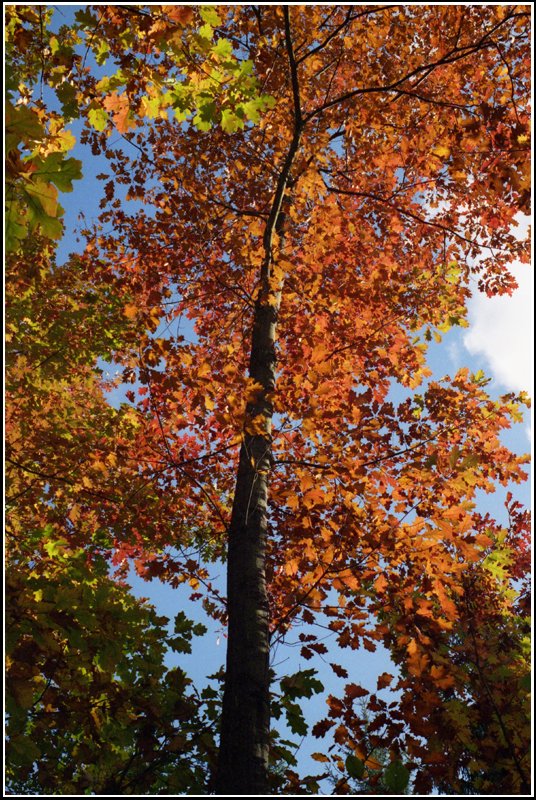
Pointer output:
455, 54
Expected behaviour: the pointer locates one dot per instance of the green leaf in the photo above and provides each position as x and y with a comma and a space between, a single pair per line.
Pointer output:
16, 229
180, 645
66, 94
268, 101
209, 14
152, 106
60, 171
246, 67
229, 121
205, 116
182, 623
185, 630
453, 272
22, 125
24, 751
205, 32
199, 629
469, 461
54, 44
396, 777
301, 684
23, 692
525, 682
98, 118
115, 81
86, 19
223, 48
43, 209
45, 194
102, 52
55, 548
355, 767
295, 718
252, 109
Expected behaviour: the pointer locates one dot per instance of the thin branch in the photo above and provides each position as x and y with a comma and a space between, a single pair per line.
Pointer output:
328, 38
385, 201
56, 477
241, 212
293, 70
284, 174
454, 55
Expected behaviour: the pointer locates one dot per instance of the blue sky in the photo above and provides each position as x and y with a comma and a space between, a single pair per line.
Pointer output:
499, 341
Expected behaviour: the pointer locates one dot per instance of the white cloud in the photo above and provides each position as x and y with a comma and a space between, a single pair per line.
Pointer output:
502, 327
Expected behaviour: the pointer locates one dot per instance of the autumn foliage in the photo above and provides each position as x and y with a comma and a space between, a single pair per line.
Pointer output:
296, 202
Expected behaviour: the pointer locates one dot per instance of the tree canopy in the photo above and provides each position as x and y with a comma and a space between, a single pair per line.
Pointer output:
296, 200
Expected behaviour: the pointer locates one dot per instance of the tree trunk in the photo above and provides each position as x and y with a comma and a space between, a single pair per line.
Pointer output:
245, 729
243, 757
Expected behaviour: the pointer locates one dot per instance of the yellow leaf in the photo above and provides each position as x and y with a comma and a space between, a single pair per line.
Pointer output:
441, 151
96, 717
67, 140
130, 311
319, 757
204, 370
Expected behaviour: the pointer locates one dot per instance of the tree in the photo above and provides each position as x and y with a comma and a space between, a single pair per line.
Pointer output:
91, 705
317, 224
464, 703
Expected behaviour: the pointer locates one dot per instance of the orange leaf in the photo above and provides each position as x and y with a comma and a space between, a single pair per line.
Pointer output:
352, 690
119, 106
130, 311
384, 680
182, 15
412, 647
380, 583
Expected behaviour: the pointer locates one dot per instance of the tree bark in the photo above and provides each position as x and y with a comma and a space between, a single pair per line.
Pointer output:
243, 756
245, 728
